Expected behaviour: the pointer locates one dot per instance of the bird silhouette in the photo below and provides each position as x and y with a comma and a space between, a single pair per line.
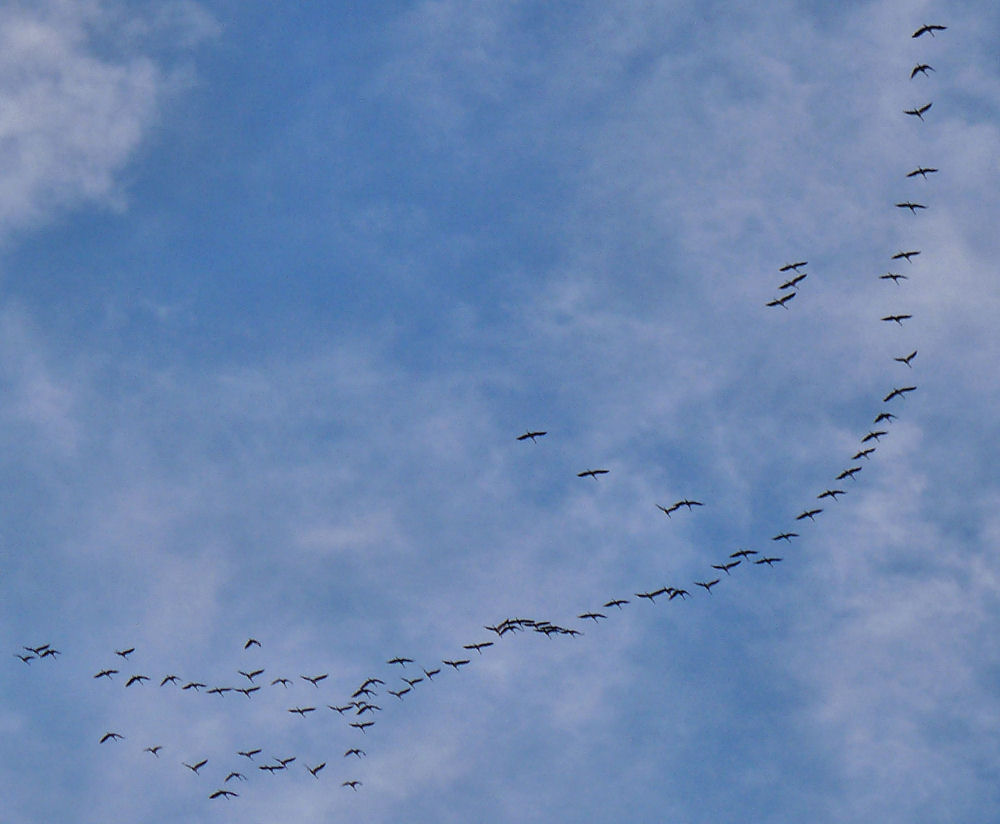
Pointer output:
907, 256
195, 767
898, 393
248, 753
918, 111
125, 653
593, 473
531, 435
782, 300
925, 29
315, 770
907, 204
893, 276
793, 266
907, 358
707, 585
831, 493
251, 642
921, 68
111, 736
726, 567
791, 283
923, 171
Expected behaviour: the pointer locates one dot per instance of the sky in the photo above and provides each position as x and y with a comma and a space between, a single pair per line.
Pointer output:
280, 286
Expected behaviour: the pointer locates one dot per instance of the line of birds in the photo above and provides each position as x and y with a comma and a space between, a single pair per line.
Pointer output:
358, 708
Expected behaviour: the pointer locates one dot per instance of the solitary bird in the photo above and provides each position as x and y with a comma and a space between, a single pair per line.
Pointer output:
908, 256
531, 435
897, 318
923, 171
906, 204
925, 29
921, 68
918, 111
908, 358
593, 473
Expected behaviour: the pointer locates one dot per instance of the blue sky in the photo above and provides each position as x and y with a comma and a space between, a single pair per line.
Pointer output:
280, 287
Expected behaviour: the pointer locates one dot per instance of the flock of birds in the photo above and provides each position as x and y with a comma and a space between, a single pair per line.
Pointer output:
360, 709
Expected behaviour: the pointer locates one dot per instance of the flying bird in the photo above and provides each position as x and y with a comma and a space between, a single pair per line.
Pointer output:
352, 784
921, 68
849, 473
314, 679
401, 661
251, 642
355, 751
923, 171
154, 750
928, 30
136, 679
791, 283
707, 585
782, 300
531, 435
616, 602
831, 493
874, 435
478, 647
918, 111
786, 536
106, 673
237, 775
169, 679
768, 561
898, 393
28, 658
195, 767
726, 567
193, 685
224, 794
908, 256
248, 691
315, 770
793, 266
248, 753
111, 736
666, 510
908, 358
897, 318
884, 416
864, 453
457, 663
744, 553
125, 653
593, 473
285, 682
893, 276
809, 513
302, 710
594, 616
362, 725
431, 673
251, 675
907, 204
